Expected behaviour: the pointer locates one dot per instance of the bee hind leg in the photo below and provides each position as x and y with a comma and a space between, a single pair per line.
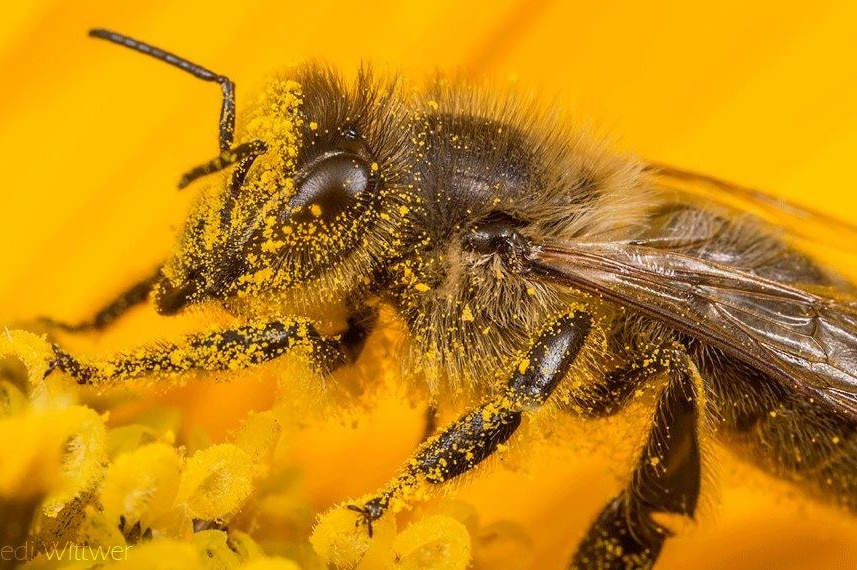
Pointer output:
666, 480
476, 435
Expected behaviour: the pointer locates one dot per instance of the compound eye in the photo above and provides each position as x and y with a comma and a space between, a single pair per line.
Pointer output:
328, 185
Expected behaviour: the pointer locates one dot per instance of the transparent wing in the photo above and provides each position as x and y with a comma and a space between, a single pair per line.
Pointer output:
804, 338
827, 238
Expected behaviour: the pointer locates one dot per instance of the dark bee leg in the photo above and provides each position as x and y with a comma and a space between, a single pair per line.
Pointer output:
108, 314
243, 155
476, 435
611, 395
430, 425
665, 480
241, 347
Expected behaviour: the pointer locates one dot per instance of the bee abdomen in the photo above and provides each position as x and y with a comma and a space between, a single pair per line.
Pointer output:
784, 432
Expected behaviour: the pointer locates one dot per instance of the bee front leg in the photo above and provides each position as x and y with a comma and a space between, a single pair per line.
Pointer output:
134, 295
228, 349
472, 438
430, 421
665, 480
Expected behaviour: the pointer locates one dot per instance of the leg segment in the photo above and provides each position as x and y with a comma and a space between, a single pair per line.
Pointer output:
108, 314
619, 386
614, 393
476, 435
665, 480
244, 154
240, 347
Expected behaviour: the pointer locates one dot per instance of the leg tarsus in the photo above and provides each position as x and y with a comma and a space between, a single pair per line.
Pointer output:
70, 365
369, 512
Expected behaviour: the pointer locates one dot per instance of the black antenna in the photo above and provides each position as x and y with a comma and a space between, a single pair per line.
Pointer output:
227, 109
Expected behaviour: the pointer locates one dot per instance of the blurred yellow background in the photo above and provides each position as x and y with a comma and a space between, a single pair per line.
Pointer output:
94, 138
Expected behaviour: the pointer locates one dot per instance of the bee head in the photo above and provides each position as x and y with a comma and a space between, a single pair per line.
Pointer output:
313, 212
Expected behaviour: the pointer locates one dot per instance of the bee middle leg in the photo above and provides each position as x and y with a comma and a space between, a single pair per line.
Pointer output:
228, 349
666, 479
476, 435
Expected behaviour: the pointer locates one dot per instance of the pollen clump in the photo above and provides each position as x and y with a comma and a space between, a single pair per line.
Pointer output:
341, 544
215, 549
274, 119
438, 542
142, 494
216, 481
58, 452
33, 350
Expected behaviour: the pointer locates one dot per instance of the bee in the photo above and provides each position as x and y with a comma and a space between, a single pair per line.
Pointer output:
532, 267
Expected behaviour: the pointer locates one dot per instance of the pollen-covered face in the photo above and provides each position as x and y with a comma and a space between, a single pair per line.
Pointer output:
310, 212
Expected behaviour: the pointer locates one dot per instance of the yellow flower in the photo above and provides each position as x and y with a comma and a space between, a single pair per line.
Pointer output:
93, 140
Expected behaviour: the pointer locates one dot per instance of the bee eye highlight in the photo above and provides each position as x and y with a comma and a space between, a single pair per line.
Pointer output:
331, 183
